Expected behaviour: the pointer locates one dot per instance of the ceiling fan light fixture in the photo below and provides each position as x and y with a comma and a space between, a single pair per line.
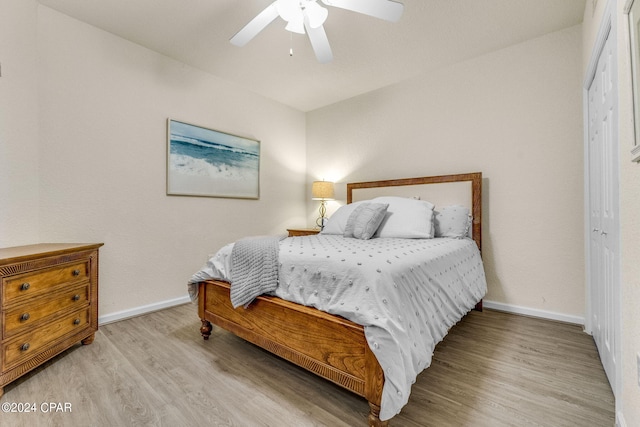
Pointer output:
296, 26
316, 14
288, 9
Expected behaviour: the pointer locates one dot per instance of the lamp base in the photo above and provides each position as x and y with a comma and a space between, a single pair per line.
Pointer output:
323, 215
320, 222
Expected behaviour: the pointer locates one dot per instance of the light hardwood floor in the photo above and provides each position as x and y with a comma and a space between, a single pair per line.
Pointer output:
493, 369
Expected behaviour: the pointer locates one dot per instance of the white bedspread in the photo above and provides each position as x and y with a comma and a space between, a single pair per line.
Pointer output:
406, 293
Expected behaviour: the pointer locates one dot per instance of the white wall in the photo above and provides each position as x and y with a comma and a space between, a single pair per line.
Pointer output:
18, 123
628, 403
82, 158
516, 116
104, 103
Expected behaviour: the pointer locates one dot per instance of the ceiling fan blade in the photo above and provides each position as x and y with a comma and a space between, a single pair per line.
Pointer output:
256, 25
383, 9
319, 42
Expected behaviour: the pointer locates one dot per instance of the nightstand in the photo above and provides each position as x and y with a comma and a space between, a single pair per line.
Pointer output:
302, 231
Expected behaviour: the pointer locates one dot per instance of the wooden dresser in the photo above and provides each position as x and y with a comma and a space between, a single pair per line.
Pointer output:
48, 302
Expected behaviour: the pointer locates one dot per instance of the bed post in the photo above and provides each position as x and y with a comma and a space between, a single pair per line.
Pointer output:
374, 416
206, 327
374, 381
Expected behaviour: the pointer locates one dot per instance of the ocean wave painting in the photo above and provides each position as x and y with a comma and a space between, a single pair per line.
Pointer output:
205, 162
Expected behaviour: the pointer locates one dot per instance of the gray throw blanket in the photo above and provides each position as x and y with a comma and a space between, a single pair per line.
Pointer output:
254, 268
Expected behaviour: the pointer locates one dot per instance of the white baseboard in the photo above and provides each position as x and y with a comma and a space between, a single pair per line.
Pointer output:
138, 311
533, 312
493, 305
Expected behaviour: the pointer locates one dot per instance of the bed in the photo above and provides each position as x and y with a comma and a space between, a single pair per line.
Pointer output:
330, 345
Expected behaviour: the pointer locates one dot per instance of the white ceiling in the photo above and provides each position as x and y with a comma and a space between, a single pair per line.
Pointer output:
368, 53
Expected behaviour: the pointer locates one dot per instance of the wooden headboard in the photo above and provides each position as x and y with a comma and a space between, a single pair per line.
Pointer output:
445, 190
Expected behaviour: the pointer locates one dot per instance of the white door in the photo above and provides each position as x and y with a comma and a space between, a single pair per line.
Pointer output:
604, 271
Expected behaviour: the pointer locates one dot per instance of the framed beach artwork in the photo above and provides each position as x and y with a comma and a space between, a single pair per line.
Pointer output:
209, 163
632, 8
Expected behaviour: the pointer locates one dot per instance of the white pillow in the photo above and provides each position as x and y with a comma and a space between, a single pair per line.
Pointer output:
337, 222
452, 221
406, 218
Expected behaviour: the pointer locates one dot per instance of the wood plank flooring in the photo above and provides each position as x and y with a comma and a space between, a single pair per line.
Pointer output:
493, 369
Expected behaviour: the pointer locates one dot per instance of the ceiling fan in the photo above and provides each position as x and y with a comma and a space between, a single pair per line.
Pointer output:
309, 16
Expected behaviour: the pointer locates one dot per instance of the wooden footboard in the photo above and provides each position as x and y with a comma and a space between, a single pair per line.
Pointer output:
327, 345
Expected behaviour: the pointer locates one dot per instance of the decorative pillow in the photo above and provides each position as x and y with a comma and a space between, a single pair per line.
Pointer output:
365, 220
406, 218
338, 221
452, 221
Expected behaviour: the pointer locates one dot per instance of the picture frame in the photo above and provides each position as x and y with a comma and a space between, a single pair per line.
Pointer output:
210, 163
632, 9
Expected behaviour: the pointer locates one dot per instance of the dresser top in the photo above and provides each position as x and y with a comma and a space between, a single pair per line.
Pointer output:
25, 253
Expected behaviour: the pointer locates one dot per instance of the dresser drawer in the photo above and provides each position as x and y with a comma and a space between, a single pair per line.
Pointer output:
29, 285
21, 317
28, 345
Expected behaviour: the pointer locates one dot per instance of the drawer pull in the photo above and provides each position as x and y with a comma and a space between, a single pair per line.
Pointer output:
25, 346
24, 317
25, 286
76, 297
76, 272
76, 322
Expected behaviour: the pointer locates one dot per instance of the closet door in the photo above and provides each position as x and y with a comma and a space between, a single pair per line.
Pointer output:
604, 269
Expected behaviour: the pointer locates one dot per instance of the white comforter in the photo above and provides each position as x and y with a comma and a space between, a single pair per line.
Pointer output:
406, 293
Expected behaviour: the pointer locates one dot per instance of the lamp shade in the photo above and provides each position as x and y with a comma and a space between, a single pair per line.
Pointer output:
322, 190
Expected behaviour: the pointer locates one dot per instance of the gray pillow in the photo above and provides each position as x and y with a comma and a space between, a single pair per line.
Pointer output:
452, 221
337, 222
365, 220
